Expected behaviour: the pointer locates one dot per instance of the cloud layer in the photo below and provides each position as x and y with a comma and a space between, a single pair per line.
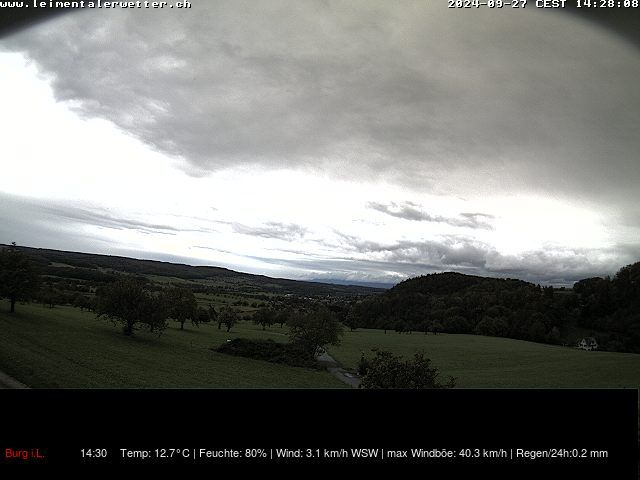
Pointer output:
450, 137
338, 255
412, 211
415, 93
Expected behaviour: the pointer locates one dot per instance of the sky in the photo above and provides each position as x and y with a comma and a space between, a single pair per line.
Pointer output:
319, 139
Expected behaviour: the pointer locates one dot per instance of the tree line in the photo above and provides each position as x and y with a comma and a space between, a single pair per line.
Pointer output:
456, 303
129, 302
437, 303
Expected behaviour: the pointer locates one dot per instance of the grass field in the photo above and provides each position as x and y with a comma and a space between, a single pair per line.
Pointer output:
63, 347
489, 362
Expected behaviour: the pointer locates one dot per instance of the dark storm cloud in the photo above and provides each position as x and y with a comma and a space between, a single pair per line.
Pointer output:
412, 211
413, 92
282, 231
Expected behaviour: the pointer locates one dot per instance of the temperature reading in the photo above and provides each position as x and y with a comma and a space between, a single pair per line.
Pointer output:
172, 452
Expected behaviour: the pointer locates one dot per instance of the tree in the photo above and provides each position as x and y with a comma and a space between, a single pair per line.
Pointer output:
18, 278
537, 332
400, 326
386, 370
314, 330
283, 316
492, 327
203, 315
219, 318
627, 287
182, 306
213, 315
436, 327
554, 336
228, 317
384, 323
352, 320
126, 301
154, 313
50, 297
265, 317
82, 302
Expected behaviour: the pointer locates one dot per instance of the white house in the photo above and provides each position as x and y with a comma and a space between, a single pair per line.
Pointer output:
588, 343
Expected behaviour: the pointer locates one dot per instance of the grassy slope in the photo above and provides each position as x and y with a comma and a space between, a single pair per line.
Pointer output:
488, 362
63, 347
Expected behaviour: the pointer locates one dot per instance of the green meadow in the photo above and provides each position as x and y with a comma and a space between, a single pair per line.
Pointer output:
66, 348
489, 362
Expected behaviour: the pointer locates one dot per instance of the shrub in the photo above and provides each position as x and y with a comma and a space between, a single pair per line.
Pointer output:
268, 350
386, 370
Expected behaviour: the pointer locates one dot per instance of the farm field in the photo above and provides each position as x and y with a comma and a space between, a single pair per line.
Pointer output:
66, 348
489, 362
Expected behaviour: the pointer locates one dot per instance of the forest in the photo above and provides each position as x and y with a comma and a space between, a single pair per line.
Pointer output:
605, 308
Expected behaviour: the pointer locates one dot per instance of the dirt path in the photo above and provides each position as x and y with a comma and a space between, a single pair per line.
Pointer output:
337, 371
9, 382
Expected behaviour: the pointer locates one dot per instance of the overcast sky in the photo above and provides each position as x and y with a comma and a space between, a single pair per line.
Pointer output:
357, 140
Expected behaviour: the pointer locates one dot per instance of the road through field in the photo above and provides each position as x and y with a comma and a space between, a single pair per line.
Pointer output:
340, 373
335, 369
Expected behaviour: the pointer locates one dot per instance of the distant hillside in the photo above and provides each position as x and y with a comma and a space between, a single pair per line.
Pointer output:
102, 268
450, 283
337, 281
604, 308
